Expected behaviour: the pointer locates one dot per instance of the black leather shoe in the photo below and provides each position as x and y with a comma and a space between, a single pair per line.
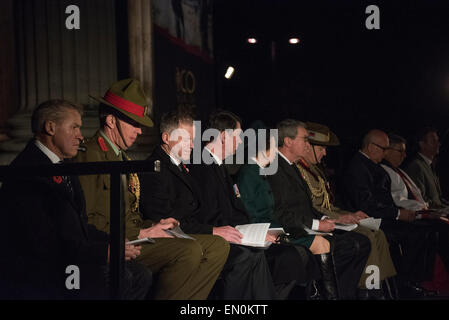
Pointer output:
370, 294
412, 290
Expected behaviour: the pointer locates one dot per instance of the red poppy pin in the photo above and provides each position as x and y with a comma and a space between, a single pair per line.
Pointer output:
57, 179
102, 144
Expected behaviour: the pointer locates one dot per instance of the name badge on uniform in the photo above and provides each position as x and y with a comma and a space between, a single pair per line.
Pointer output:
236, 191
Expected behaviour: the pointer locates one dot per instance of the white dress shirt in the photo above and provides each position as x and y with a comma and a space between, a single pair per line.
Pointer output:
50, 154
399, 191
217, 159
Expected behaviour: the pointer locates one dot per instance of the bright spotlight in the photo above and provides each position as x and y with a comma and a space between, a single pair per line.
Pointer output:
252, 40
229, 72
293, 40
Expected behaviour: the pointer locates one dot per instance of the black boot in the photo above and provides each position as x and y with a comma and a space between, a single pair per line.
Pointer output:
328, 282
313, 291
390, 288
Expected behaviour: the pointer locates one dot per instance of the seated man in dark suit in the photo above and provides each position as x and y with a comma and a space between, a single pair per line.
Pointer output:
200, 203
50, 215
367, 187
421, 168
407, 195
295, 212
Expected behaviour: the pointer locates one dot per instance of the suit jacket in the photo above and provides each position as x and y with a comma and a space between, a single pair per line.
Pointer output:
426, 180
172, 193
47, 227
293, 205
97, 190
222, 206
367, 187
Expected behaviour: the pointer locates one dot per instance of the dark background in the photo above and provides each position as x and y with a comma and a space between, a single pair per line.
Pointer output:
341, 74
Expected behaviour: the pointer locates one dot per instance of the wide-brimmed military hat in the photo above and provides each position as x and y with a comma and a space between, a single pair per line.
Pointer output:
127, 97
321, 135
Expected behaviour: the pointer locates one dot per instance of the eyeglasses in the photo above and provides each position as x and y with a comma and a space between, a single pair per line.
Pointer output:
383, 148
305, 138
402, 151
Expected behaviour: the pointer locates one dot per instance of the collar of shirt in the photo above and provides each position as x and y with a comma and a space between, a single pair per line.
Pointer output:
217, 160
111, 144
427, 160
50, 154
175, 161
288, 161
365, 154
254, 159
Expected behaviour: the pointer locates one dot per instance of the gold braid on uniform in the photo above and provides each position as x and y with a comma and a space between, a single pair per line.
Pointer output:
134, 186
319, 191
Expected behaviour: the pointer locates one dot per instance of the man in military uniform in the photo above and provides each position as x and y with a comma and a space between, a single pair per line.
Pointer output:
320, 137
185, 269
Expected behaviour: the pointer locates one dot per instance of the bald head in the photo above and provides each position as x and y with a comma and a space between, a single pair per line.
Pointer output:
374, 145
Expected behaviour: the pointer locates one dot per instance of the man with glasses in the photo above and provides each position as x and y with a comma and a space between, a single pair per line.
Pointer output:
404, 191
406, 194
367, 187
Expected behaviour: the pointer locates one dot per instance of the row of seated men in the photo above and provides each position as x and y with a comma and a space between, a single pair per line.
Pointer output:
51, 223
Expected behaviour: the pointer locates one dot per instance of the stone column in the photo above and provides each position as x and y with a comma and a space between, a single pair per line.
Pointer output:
55, 62
141, 61
8, 88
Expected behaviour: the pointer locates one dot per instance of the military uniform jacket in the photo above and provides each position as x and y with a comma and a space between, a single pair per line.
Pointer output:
318, 189
97, 190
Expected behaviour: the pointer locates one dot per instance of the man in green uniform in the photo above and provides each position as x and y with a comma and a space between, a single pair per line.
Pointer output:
320, 137
184, 268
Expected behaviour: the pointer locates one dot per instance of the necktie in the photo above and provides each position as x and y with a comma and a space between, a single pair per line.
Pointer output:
184, 168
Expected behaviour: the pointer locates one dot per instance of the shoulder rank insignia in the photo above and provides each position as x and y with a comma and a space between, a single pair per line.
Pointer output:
102, 144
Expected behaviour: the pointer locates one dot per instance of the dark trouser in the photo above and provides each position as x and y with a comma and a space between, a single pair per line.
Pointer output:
290, 265
137, 281
412, 246
441, 233
245, 276
350, 252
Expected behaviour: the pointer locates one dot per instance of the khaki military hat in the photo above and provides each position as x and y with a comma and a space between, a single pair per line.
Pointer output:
127, 97
321, 135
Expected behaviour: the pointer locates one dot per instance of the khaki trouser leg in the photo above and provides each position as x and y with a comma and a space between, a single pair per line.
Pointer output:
215, 254
379, 255
183, 272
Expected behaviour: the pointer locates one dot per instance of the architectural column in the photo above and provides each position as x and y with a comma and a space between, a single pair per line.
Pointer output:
8, 88
56, 62
140, 34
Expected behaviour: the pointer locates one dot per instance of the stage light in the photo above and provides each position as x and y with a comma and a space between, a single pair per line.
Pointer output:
229, 72
252, 40
293, 40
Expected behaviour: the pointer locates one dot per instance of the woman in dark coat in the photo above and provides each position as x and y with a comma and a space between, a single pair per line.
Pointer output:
258, 199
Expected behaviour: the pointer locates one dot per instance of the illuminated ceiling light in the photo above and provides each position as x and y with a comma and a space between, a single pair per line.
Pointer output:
252, 40
293, 40
229, 72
